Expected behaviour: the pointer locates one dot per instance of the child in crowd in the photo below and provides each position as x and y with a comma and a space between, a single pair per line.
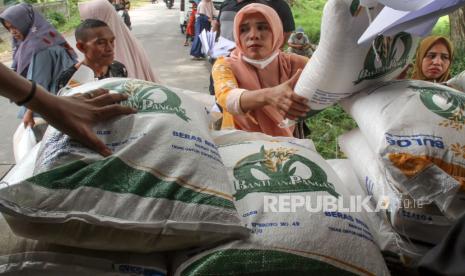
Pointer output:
190, 29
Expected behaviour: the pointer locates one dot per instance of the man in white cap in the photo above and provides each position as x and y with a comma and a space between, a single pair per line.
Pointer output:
299, 43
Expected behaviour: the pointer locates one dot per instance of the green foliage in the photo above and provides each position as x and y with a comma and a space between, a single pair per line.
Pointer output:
458, 64
73, 6
442, 27
55, 18
71, 24
307, 13
326, 126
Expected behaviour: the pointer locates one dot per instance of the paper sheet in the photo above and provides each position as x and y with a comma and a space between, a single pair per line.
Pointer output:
418, 22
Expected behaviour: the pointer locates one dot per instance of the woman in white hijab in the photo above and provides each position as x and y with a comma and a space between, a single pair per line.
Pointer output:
128, 49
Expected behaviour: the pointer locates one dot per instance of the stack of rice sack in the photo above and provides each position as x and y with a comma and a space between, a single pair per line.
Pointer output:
164, 188
19, 256
340, 67
415, 132
400, 254
271, 176
402, 233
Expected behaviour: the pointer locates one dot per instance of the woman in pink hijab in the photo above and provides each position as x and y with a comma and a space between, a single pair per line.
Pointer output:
254, 86
128, 50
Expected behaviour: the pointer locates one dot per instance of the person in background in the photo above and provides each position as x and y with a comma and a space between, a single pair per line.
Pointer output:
190, 29
40, 53
205, 13
433, 59
229, 9
96, 41
300, 44
128, 50
122, 7
254, 86
73, 115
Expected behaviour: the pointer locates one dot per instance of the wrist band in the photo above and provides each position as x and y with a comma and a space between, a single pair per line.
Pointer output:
30, 95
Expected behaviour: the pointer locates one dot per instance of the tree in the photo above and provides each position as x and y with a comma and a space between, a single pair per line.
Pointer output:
457, 27
457, 35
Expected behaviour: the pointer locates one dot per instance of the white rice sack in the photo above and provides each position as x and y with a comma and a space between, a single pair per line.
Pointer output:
164, 188
395, 249
458, 81
411, 219
366, 167
340, 67
24, 169
346, 173
246, 257
299, 242
417, 128
19, 256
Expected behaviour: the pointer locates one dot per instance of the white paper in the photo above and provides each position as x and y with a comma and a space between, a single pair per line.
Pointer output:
417, 22
215, 49
208, 41
84, 74
405, 5
223, 47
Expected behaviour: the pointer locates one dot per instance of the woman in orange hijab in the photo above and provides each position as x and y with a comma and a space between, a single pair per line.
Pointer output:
433, 60
254, 86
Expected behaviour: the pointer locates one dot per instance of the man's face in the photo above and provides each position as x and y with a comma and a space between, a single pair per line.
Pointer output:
299, 35
99, 47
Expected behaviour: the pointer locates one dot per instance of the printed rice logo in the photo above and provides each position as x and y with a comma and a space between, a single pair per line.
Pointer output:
149, 97
387, 55
355, 7
279, 171
445, 103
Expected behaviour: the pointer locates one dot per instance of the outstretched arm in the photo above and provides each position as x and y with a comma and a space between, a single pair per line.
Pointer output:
73, 115
282, 97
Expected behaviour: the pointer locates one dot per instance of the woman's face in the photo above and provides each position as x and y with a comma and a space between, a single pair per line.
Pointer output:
13, 31
436, 61
256, 36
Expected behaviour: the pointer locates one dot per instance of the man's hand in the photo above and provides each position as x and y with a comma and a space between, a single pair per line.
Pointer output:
295, 46
75, 115
28, 119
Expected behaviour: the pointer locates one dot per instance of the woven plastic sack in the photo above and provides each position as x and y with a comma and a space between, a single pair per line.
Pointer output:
298, 242
164, 188
19, 256
397, 251
340, 67
417, 128
411, 219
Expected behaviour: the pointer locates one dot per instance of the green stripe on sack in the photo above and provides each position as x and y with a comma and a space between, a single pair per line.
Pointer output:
259, 262
113, 175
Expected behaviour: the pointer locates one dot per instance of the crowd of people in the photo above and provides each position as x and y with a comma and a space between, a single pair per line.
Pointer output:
42, 55
253, 85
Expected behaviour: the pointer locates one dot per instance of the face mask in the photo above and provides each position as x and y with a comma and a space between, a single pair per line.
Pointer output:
261, 64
